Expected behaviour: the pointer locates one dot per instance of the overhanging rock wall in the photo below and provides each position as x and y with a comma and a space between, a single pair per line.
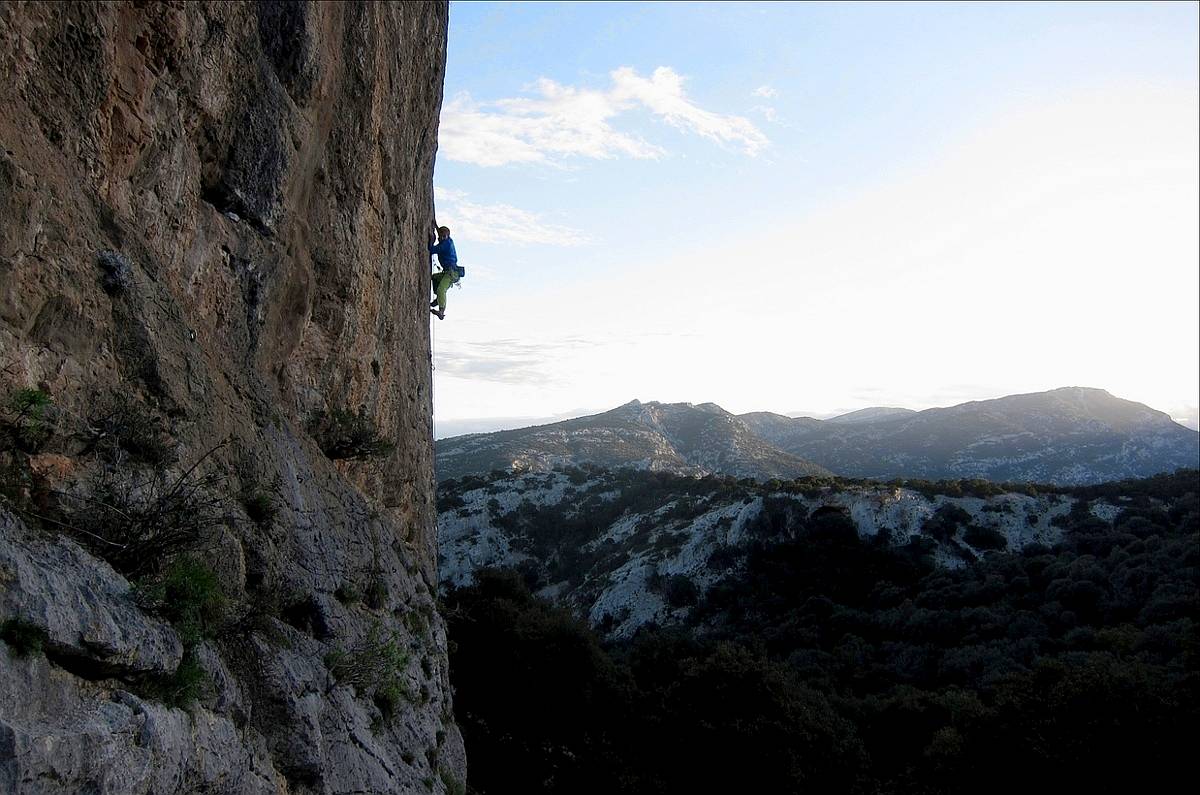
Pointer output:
213, 215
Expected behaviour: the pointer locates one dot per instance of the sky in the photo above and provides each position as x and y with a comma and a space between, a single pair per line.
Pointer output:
814, 208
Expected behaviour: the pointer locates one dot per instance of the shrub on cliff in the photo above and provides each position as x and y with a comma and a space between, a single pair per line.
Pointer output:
376, 667
343, 434
259, 486
138, 519
190, 596
28, 418
121, 426
22, 637
261, 507
19, 489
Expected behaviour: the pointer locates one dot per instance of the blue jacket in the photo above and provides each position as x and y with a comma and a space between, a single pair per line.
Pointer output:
446, 255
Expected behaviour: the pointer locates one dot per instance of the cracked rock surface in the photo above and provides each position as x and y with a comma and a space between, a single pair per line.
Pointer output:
215, 212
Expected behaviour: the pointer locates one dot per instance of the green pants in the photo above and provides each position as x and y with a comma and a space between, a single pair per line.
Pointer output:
441, 283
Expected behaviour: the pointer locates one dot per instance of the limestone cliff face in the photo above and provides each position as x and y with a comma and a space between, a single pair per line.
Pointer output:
215, 212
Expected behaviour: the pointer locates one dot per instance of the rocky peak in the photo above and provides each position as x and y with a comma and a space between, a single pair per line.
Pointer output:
674, 437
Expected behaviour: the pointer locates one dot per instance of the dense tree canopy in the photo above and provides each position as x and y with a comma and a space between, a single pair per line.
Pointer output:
828, 663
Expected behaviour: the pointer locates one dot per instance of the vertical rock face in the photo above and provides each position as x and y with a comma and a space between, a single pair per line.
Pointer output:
215, 212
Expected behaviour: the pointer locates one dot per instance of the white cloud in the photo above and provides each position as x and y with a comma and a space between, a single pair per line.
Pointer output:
663, 94
764, 91
566, 121
500, 223
503, 361
516, 362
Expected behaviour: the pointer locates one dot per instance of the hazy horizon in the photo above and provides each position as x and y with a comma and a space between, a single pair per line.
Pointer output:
820, 207
1189, 417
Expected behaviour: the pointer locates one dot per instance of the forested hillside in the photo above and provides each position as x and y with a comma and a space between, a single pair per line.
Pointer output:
628, 547
823, 660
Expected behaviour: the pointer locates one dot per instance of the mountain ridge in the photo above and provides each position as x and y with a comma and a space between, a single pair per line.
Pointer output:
1069, 435
872, 414
694, 439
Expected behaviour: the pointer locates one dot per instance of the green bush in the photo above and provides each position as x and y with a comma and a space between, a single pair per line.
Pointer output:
376, 666
945, 522
348, 594
679, 591
258, 486
16, 480
189, 594
343, 434
449, 501
22, 637
261, 507
985, 538
189, 683
29, 417
453, 785
376, 594
388, 698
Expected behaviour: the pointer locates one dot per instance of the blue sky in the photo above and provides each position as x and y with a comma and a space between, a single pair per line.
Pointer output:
816, 207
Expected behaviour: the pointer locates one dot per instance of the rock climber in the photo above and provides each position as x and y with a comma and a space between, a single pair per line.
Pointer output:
450, 271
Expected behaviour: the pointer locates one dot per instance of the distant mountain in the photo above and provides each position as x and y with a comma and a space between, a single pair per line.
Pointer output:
673, 437
1067, 436
779, 430
1073, 435
872, 414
